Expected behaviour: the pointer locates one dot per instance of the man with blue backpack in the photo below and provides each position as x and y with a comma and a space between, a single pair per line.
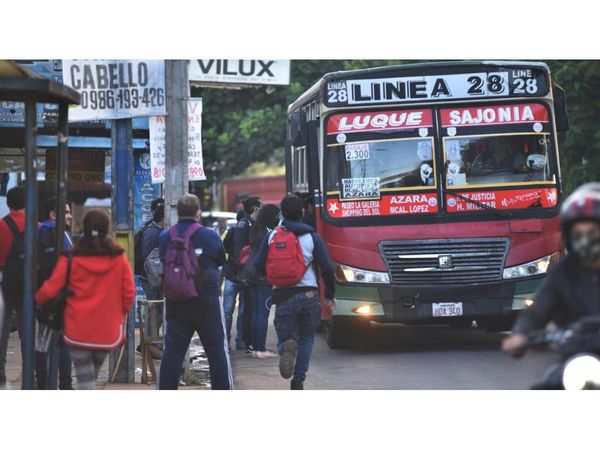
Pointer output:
191, 256
288, 256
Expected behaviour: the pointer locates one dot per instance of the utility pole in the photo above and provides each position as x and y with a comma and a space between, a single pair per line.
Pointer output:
121, 364
176, 146
30, 269
176, 136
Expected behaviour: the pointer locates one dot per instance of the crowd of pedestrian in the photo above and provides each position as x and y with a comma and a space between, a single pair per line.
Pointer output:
202, 273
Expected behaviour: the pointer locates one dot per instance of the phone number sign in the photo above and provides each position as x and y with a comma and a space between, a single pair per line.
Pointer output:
116, 89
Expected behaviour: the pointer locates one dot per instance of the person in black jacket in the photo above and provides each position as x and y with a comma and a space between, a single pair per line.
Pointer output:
252, 207
260, 290
231, 288
46, 259
572, 288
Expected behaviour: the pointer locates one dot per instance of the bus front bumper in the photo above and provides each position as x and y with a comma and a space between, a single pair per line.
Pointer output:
414, 304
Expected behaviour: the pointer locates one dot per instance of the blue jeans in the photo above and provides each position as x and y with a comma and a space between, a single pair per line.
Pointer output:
261, 307
231, 289
204, 316
552, 378
298, 318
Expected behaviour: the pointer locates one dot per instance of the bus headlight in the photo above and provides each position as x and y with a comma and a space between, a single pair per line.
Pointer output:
347, 274
536, 267
582, 372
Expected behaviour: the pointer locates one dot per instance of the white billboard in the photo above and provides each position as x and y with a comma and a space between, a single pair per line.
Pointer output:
116, 89
240, 71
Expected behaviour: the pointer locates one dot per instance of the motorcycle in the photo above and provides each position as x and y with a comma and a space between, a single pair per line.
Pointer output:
579, 348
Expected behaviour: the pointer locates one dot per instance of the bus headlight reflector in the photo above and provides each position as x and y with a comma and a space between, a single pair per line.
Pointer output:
347, 274
365, 309
537, 267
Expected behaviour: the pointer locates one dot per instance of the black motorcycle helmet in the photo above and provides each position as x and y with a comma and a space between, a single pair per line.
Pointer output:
582, 205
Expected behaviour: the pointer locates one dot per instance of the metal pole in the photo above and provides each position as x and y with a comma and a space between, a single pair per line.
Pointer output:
176, 136
30, 243
61, 201
176, 146
122, 211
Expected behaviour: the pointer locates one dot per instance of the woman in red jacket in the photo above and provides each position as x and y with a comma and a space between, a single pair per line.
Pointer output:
103, 292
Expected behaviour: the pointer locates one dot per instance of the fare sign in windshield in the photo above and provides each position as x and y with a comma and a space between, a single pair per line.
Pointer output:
505, 82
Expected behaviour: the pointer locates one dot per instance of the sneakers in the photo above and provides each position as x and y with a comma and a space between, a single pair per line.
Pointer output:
287, 361
264, 355
297, 385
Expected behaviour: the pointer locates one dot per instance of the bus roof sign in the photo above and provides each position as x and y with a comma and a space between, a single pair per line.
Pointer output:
485, 81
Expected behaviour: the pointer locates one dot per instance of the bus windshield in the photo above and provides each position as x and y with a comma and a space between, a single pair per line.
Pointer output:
360, 170
476, 161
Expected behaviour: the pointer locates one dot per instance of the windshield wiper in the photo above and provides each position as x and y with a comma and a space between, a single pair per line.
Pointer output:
481, 205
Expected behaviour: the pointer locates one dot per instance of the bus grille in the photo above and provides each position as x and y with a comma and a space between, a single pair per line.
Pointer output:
445, 261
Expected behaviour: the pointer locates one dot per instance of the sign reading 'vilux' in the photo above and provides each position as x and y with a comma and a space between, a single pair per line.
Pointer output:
240, 71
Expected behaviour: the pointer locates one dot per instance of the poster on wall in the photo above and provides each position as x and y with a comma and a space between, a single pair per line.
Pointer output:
158, 139
144, 191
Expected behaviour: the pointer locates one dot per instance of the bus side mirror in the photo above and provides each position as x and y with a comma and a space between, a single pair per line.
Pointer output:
560, 109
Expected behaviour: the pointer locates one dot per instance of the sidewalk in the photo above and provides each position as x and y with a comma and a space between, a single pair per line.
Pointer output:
248, 372
13, 371
252, 373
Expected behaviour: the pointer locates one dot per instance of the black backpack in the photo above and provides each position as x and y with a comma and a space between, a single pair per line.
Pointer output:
12, 273
229, 242
137, 250
46, 254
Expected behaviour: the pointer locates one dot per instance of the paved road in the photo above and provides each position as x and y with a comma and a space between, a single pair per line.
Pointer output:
397, 357
392, 357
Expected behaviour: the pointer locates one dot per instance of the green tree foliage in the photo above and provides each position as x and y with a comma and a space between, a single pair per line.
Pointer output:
245, 126
580, 152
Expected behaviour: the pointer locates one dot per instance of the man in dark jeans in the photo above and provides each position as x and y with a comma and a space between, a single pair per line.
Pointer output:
149, 241
298, 310
13, 301
203, 314
252, 206
46, 259
231, 288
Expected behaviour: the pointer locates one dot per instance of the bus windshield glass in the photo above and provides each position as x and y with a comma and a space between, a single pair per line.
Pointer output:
360, 170
519, 159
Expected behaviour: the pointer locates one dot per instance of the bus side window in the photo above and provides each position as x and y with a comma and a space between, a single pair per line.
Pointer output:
560, 109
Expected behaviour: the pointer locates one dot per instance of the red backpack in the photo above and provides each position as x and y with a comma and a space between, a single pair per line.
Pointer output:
285, 259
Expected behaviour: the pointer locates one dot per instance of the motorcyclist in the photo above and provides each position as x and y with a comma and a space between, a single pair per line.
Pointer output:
572, 289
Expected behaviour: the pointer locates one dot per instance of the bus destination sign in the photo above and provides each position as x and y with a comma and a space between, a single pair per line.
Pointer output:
513, 82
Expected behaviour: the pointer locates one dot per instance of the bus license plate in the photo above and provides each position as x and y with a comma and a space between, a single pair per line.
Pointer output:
447, 309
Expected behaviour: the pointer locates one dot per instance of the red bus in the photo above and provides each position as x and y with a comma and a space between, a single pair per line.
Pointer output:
436, 189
